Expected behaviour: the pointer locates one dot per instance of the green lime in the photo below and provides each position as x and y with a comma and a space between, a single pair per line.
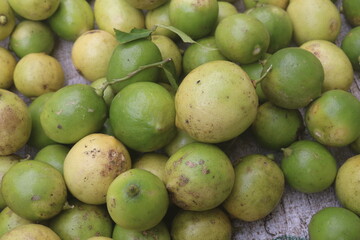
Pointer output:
35, 9
10, 220
7, 67
275, 127
279, 3
7, 20
350, 45
159, 232
203, 51
355, 146
142, 116
248, 36
225, 9
6, 162
73, 112
146, 5
152, 162
160, 15
293, 78
137, 200
334, 223
31, 231
333, 119
32, 37
351, 10
181, 139
278, 23
308, 166
54, 155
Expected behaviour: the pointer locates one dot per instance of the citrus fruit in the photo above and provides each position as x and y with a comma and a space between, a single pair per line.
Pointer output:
146, 5
258, 188
38, 73
351, 9
101, 159
152, 162
103, 89
32, 37
7, 67
34, 190
334, 223
248, 36
6, 162
15, 122
142, 116
350, 45
7, 19
338, 72
181, 139
355, 146
225, 9
54, 155
159, 15
215, 102
137, 200
73, 112
294, 78
279, 3
308, 166
32, 231
333, 118
275, 127
35, 9
199, 177
159, 232
10, 220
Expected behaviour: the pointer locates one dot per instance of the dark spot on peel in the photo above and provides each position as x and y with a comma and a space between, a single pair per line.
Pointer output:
59, 126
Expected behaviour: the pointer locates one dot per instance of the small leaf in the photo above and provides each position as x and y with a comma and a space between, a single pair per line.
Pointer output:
134, 34
184, 37
170, 75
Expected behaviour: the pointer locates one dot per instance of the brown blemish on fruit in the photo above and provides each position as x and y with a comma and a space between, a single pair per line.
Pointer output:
190, 164
115, 165
35, 198
9, 120
334, 25
183, 180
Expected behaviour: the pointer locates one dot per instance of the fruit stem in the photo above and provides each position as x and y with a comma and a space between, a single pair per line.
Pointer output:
257, 81
3, 20
133, 190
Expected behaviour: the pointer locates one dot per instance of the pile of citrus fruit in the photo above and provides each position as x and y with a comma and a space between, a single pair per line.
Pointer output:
138, 151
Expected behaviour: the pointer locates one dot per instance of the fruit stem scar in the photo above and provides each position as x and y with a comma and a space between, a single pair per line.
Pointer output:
3, 19
257, 81
133, 190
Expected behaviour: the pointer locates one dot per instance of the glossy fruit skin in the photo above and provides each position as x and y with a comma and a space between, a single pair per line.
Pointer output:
137, 200
64, 114
334, 223
35, 9
30, 37
199, 177
333, 118
28, 195
211, 224
54, 155
351, 10
82, 221
308, 166
15, 122
249, 37
258, 188
346, 187
32, 231
159, 232
350, 45
72, 19
285, 84
7, 67
7, 19
9, 220
142, 116
215, 102
128, 57
195, 18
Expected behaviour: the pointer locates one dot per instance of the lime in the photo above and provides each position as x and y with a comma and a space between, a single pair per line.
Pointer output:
159, 232
333, 223
7, 67
225, 9
248, 36
294, 78
6, 162
333, 119
279, 3
10, 220
54, 155
35, 9
146, 5
142, 116
152, 162
308, 166
181, 139
351, 10
31, 231
7, 19
32, 37
275, 127
350, 45
137, 200
38, 73
159, 15
355, 146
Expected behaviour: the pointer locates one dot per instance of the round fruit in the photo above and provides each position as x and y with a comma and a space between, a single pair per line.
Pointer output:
7, 19
159, 232
350, 45
215, 102
38, 138
145, 4
314, 20
38, 73
199, 177
333, 119
32, 37
15, 122
128, 57
248, 36
72, 113
92, 164
137, 200
10, 220
203, 51
252, 3
276, 127
91, 53
308, 166
54, 155
35, 9
34, 190
196, 19
72, 19
7, 67
338, 72
211, 224
346, 186
225, 9
355, 146
142, 116
333, 223
31, 231
6, 162
115, 14
181, 139
159, 15
293, 78
152, 162
258, 188
82, 221
351, 10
